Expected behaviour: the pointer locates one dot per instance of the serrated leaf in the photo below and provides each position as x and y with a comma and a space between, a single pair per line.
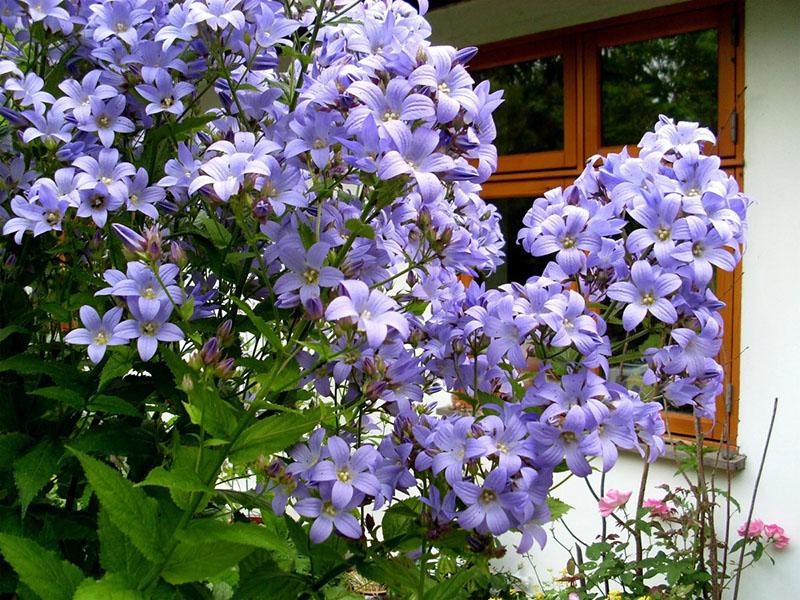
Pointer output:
191, 561
281, 585
182, 480
59, 394
117, 552
42, 570
264, 328
132, 511
247, 534
215, 231
30, 364
35, 469
110, 587
113, 405
273, 434
557, 508
453, 588
206, 409
118, 365
359, 228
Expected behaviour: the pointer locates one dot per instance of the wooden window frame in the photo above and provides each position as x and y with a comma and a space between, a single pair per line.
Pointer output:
522, 175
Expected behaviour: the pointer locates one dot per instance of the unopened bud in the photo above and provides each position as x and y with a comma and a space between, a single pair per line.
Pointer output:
224, 368
132, 241
177, 254
187, 383
224, 333
153, 242
209, 354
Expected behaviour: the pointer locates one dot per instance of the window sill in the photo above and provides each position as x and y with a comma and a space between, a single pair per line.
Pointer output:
718, 459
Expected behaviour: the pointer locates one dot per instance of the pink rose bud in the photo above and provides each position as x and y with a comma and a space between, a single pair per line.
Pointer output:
658, 508
612, 500
755, 529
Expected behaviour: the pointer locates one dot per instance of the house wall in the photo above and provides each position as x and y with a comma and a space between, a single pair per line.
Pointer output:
770, 326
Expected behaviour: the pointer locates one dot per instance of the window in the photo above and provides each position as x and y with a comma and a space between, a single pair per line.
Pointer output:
594, 88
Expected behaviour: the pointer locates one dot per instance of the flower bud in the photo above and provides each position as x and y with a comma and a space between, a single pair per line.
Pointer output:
224, 368
132, 241
209, 354
153, 243
224, 333
187, 383
177, 254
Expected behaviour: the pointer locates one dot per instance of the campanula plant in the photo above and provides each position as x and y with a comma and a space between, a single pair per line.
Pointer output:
276, 208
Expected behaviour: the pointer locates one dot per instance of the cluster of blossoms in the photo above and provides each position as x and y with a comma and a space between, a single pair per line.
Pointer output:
769, 534
345, 176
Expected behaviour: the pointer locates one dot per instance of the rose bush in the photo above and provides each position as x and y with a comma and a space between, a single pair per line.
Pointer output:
244, 244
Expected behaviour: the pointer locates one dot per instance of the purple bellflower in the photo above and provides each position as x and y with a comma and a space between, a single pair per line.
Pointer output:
372, 311
97, 333
646, 293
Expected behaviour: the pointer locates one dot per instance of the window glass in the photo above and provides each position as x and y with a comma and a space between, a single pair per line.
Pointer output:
531, 119
675, 75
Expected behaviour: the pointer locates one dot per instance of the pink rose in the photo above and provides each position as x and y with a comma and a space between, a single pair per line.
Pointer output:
613, 499
756, 529
658, 508
775, 534
573, 596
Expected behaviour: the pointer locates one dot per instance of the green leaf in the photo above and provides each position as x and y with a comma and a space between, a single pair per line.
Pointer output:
216, 231
273, 434
264, 328
206, 409
110, 587
118, 365
113, 405
557, 508
118, 554
198, 562
30, 364
132, 511
184, 480
596, 550
359, 228
66, 396
402, 517
10, 330
281, 585
42, 570
247, 534
35, 469
453, 588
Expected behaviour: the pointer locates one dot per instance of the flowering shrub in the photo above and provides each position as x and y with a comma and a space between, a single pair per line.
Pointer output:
262, 214
676, 553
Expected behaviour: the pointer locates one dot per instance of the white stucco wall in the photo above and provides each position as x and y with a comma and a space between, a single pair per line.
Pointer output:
770, 362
